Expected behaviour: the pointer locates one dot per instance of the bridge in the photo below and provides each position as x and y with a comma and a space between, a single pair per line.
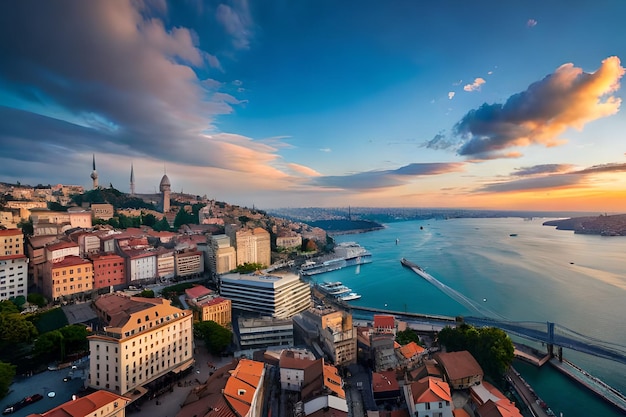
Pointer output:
551, 334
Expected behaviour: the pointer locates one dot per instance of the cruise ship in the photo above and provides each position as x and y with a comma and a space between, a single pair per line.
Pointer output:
334, 288
346, 254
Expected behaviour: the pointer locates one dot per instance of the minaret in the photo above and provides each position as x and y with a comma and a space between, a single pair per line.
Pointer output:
132, 180
94, 174
165, 188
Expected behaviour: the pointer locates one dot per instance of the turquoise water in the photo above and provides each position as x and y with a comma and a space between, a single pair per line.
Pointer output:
542, 274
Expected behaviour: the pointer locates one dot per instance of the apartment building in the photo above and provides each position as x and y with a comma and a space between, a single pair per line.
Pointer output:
280, 296
222, 257
13, 265
108, 270
334, 331
70, 276
209, 306
252, 245
142, 339
189, 263
11, 242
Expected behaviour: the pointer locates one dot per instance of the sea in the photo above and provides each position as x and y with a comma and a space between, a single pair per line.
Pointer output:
511, 268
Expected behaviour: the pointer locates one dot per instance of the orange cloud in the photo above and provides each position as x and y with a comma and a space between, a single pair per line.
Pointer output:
568, 98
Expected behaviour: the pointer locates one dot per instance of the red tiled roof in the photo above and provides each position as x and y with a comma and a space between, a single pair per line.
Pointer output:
7, 257
459, 365
70, 261
197, 291
85, 405
384, 321
502, 408
384, 381
61, 245
10, 232
241, 386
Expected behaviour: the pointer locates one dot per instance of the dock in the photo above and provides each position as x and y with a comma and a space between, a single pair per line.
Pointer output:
593, 384
531, 355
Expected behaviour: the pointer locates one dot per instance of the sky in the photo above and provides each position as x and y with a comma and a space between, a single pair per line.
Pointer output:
484, 104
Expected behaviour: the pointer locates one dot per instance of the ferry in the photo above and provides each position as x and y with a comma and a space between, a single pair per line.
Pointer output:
334, 288
346, 254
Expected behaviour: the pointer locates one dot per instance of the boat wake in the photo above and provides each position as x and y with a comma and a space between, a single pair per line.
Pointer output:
454, 294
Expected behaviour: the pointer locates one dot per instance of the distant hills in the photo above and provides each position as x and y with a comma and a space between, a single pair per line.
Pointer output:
605, 225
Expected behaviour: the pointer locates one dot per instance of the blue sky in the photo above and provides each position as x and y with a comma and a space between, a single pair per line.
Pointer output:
486, 104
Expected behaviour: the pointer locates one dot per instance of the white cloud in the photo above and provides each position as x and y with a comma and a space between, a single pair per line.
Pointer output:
475, 85
451, 95
531, 23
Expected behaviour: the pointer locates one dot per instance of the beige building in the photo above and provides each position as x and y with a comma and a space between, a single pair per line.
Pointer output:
102, 211
6, 220
11, 242
209, 306
72, 275
189, 263
166, 266
289, 240
222, 257
335, 332
252, 245
80, 217
142, 339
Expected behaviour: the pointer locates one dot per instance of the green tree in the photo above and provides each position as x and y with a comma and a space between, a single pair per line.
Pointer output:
14, 328
246, 268
7, 373
54, 206
182, 217
147, 294
162, 225
149, 219
404, 337
27, 227
75, 338
50, 346
7, 307
491, 347
216, 338
37, 299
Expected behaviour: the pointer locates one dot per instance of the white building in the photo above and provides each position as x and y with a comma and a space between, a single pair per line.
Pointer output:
280, 296
13, 276
140, 265
428, 397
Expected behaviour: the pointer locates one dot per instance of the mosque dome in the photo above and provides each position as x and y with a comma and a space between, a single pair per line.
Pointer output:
165, 183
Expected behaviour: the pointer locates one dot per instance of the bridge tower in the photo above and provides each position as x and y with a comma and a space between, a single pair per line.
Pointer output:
551, 339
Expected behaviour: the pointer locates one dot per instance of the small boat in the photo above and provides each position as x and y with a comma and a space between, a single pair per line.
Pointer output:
334, 288
22, 403
513, 234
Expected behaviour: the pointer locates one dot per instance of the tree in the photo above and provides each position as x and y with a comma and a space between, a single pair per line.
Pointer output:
50, 345
149, 219
7, 372
216, 337
147, 294
246, 268
37, 299
491, 347
75, 338
182, 217
404, 337
14, 328
27, 227
162, 225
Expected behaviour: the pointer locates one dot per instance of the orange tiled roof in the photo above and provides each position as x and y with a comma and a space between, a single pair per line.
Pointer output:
411, 349
71, 260
241, 386
384, 381
7, 257
61, 245
197, 291
429, 389
502, 408
85, 405
459, 365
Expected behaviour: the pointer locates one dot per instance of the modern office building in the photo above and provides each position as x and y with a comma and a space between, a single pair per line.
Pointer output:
141, 340
263, 332
280, 296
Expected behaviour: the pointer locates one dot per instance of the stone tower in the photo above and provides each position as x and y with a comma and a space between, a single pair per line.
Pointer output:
94, 174
165, 188
132, 180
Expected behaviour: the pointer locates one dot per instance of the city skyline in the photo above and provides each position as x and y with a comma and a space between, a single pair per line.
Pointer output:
408, 104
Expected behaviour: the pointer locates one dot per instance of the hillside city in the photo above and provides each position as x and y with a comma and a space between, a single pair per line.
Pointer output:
148, 277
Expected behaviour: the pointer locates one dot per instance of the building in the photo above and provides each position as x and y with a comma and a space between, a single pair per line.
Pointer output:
166, 265
141, 265
252, 245
334, 331
289, 240
460, 369
142, 339
94, 174
97, 404
189, 263
11, 242
263, 332
13, 276
222, 257
80, 217
410, 355
384, 324
293, 364
490, 402
385, 388
36, 249
108, 270
165, 189
58, 250
208, 306
428, 397
67, 277
102, 211
280, 296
